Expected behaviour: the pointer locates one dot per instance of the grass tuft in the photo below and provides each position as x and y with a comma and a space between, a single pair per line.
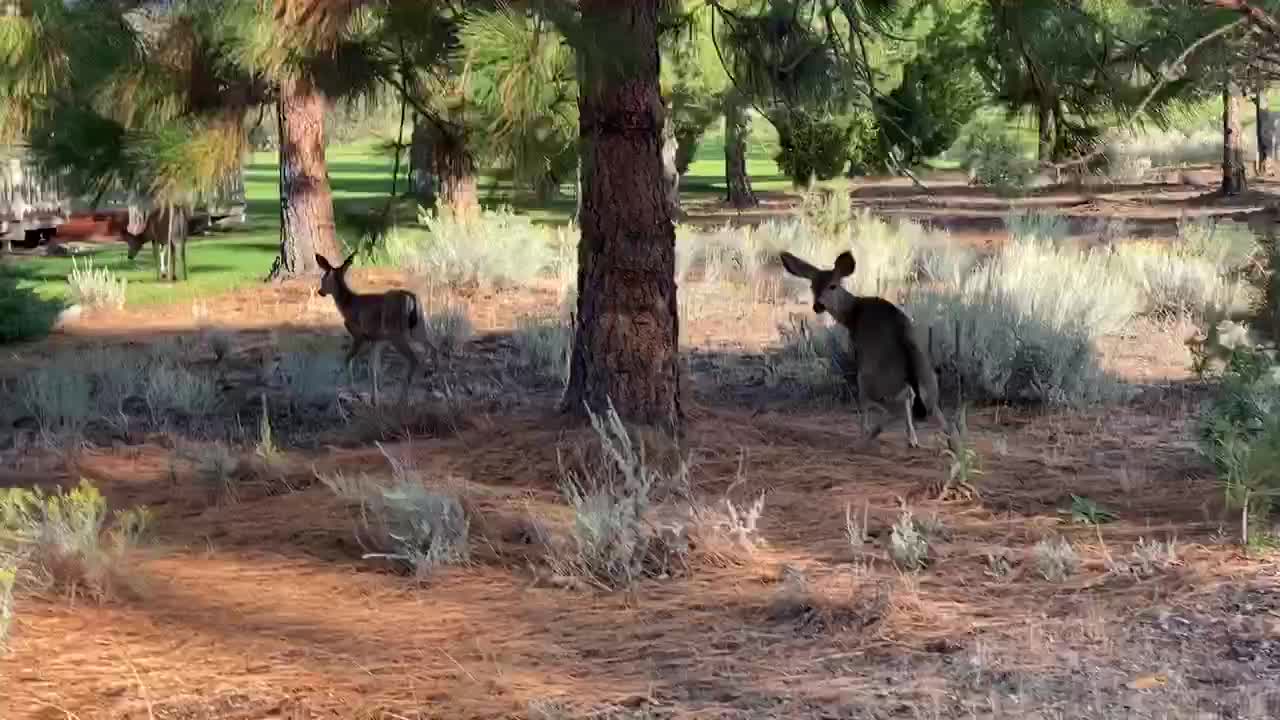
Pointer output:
96, 287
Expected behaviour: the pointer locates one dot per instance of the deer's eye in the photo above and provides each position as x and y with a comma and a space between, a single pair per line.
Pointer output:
832, 286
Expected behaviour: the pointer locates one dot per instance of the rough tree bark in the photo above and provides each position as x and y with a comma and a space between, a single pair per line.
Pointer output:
1233, 167
307, 225
626, 331
737, 128
422, 180
456, 169
1048, 128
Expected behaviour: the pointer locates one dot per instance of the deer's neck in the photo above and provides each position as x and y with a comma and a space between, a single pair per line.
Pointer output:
842, 305
343, 295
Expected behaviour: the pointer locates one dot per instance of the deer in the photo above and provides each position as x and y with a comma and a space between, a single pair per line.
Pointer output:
393, 317
892, 370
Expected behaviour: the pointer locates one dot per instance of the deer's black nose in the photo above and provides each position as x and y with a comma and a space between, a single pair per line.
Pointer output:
819, 308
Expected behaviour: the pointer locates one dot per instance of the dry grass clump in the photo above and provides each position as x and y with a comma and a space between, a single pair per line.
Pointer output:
542, 348
908, 544
632, 519
8, 575
65, 541
491, 249
96, 287
1054, 559
217, 469
405, 521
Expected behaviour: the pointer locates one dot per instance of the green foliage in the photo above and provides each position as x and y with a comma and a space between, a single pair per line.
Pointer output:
24, 315
1087, 512
939, 93
1240, 430
524, 87
866, 151
811, 145
994, 158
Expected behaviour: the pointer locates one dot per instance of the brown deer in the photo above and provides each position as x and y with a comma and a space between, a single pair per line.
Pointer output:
394, 317
891, 365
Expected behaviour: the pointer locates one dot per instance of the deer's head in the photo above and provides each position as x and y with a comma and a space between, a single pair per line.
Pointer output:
333, 278
135, 243
825, 284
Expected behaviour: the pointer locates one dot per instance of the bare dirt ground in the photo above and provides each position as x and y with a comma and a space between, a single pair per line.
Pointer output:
264, 609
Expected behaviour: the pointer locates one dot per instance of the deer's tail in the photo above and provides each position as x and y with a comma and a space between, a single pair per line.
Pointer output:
920, 375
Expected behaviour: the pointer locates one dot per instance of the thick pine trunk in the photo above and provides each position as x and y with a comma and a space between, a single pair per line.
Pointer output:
456, 170
307, 225
1048, 129
1233, 169
737, 128
422, 179
625, 347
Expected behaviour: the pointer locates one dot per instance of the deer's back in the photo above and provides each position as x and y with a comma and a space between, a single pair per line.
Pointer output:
880, 333
385, 315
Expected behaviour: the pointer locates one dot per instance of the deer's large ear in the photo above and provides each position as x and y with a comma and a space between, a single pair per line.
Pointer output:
798, 267
347, 263
323, 262
845, 264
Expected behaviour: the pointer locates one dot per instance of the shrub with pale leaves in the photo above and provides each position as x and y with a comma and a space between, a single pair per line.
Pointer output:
96, 287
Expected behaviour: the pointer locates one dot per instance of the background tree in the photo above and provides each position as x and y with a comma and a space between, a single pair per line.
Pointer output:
111, 97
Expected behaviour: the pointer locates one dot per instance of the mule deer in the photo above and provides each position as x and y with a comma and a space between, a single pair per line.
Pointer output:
890, 364
393, 317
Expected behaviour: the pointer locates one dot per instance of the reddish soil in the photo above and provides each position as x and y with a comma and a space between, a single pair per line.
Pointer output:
263, 608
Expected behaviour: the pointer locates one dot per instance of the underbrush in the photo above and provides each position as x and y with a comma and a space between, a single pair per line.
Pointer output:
96, 287
70, 393
67, 542
405, 520
1026, 331
490, 249
634, 519
1240, 433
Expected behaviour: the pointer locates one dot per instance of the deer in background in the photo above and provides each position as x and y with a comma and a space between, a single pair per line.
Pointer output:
892, 367
394, 317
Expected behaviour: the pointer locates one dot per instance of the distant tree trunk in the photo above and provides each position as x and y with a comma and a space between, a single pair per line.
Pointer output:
625, 346
456, 169
546, 187
1265, 134
307, 225
687, 142
422, 180
670, 172
1048, 129
737, 128
1233, 169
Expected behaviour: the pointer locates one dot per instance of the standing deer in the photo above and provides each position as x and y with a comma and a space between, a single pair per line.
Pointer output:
392, 317
891, 366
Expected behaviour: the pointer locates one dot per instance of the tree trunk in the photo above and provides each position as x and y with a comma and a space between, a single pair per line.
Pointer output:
1233, 173
625, 346
1265, 137
670, 172
1048, 129
737, 128
307, 225
422, 180
457, 172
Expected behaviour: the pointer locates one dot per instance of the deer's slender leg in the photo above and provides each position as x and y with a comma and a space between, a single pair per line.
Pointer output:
404, 348
908, 400
357, 342
374, 362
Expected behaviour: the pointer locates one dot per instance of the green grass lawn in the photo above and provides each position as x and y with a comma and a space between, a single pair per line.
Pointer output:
361, 179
